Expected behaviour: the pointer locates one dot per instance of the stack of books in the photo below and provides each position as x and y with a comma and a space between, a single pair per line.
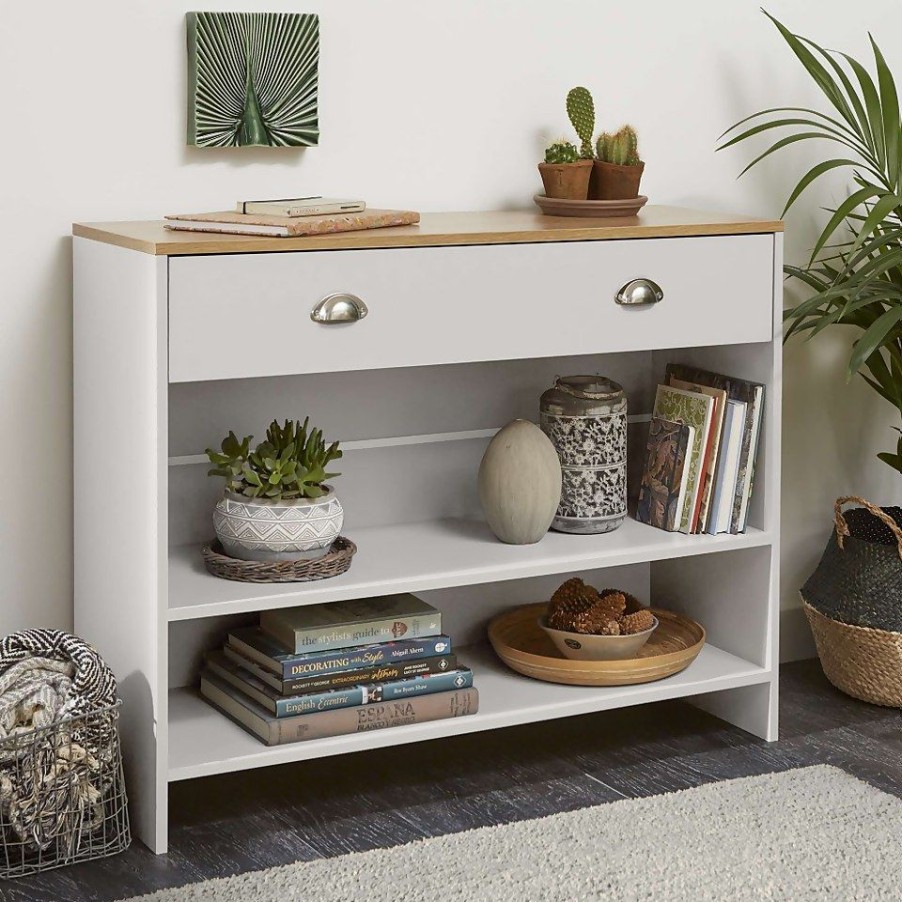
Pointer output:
292, 218
332, 669
702, 447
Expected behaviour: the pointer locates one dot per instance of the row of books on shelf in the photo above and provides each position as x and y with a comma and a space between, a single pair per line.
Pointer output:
333, 669
702, 448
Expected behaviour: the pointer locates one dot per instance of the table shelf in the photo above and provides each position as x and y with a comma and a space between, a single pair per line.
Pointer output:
203, 741
464, 335
416, 557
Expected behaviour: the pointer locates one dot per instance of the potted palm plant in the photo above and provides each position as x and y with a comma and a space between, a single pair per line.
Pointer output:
854, 279
277, 505
858, 281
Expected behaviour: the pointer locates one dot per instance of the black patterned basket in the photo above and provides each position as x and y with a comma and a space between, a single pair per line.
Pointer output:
62, 794
336, 561
859, 578
853, 602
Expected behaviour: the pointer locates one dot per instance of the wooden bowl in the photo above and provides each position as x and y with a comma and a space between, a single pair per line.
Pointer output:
588, 647
523, 646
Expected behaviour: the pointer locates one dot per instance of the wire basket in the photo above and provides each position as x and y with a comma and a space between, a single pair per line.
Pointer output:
62, 794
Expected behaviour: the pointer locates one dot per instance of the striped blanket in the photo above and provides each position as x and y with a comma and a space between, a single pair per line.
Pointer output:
54, 749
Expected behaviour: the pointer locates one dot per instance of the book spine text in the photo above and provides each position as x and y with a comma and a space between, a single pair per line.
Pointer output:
372, 693
377, 674
366, 718
371, 656
383, 630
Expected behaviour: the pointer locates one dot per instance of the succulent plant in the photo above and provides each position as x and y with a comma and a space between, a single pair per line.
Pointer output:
289, 464
621, 148
561, 152
581, 110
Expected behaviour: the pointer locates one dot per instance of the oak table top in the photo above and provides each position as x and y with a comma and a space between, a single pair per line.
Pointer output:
435, 230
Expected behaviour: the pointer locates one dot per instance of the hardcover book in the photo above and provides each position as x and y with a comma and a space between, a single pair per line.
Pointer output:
330, 699
662, 494
692, 409
713, 450
300, 206
359, 719
377, 673
728, 468
752, 393
253, 643
344, 624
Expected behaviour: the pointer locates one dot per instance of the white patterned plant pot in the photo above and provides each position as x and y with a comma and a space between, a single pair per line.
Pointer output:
254, 529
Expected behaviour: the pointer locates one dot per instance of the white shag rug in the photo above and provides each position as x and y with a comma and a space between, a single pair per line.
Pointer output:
815, 833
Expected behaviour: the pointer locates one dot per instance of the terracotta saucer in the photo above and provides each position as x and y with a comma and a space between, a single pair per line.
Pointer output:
557, 206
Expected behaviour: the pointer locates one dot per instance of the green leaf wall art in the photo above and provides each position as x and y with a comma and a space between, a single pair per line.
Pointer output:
252, 79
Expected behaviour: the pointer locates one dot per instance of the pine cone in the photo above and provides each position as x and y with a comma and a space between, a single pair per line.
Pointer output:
637, 622
591, 622
578, 608
613, 603
632, 603
569, 604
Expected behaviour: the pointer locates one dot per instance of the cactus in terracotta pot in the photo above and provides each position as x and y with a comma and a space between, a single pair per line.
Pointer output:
561, 152
581, 110
564, 173
621, 148
617, 170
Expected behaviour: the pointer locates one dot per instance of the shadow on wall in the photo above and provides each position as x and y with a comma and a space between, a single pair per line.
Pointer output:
37, 528
833, 430
240, 157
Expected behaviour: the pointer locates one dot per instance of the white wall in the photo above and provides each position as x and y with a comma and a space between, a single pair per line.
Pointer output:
423, 105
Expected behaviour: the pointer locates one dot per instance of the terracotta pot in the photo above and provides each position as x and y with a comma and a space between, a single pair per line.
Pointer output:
612, 182
566, 180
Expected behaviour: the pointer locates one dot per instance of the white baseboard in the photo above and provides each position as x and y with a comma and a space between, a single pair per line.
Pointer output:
796, 641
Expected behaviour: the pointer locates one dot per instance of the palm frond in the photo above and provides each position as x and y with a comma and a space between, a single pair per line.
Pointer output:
854, 272
253, 79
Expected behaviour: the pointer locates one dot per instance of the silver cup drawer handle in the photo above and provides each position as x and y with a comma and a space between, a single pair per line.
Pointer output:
639, 293
341, 307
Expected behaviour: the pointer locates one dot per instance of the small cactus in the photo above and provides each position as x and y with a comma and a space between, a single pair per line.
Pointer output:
561, 152
581, 110
621, 148
604, 147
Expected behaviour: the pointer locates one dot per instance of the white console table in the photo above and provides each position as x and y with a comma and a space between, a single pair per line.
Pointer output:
180, 337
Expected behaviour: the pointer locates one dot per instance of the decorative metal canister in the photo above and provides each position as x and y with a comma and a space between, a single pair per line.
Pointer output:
585, 418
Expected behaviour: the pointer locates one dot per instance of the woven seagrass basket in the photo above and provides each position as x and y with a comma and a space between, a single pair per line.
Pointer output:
853, 602
334, 563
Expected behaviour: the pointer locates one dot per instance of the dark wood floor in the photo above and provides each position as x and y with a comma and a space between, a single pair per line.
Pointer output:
223, 825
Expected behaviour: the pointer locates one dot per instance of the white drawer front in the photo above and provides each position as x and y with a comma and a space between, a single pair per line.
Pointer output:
239, 315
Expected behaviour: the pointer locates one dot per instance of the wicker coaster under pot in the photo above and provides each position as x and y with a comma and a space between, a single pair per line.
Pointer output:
336, 561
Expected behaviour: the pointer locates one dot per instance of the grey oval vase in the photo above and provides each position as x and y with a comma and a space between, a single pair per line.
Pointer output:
520, 483
254, 529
